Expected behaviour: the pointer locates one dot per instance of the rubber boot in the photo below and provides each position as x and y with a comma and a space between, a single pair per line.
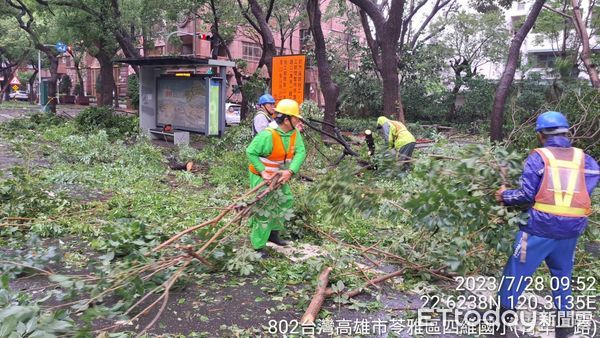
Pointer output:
262, 252
274, 238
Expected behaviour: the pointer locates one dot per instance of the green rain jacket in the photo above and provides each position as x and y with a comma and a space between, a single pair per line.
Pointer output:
261, 146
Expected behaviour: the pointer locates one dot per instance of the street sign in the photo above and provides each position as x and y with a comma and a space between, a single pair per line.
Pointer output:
61, 47
288, 77
15, 87
15, 81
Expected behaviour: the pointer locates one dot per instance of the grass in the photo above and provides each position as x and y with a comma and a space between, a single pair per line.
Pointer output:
12, 104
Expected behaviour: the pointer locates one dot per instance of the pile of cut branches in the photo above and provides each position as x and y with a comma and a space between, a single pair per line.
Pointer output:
170, 261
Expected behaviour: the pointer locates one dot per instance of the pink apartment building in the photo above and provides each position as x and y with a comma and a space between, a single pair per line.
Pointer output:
243, 46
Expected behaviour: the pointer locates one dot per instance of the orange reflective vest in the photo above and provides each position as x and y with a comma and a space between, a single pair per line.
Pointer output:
279, 155
563, 190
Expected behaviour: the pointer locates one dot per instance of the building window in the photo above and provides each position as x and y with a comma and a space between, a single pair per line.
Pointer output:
304, 38
516, 22
544, 60
251, 51
521, 6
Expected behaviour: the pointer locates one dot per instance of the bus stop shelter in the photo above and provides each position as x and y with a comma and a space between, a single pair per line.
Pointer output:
181, 94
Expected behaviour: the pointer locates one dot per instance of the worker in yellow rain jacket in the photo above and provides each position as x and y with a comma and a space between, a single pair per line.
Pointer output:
275, 150
399, 139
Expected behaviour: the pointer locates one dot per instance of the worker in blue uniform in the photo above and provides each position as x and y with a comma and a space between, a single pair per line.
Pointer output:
557, 184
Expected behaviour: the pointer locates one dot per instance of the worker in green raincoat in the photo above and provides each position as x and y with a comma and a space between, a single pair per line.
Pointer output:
272, 151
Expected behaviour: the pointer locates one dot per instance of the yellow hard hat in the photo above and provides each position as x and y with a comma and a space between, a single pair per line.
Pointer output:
381, 120
288, 107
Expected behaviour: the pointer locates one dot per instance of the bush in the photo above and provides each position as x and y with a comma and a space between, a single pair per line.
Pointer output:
361, 95
478, 100
64, 87
423, 104
77, 89
93, 118
133, 90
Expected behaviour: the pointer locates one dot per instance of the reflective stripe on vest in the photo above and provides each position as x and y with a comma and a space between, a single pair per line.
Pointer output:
278, 156
563, 190
402, 136
398, 126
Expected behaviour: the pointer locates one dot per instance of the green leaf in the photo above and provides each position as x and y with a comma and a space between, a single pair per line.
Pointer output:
8, 325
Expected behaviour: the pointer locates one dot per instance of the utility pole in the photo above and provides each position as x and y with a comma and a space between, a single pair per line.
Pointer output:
194, 36
40, 78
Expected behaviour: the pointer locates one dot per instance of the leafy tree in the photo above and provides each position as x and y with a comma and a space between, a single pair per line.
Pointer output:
570, 35
15, 49
259, 21
225, 19
474, 40
393, 34
288, 15
133, 90
78, 25
64, 87
40, 28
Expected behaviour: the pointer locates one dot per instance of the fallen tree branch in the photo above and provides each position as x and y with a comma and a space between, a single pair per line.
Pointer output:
315, 305
241, 210
323, 292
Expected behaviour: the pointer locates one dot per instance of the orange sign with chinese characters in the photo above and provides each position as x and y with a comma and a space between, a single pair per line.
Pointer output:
288, 77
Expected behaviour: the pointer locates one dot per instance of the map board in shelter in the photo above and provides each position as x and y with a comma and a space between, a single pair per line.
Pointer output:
181, 102
288, 77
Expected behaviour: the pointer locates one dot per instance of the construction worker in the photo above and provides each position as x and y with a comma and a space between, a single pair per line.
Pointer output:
265, 115
557, 183
400, 141
275, 150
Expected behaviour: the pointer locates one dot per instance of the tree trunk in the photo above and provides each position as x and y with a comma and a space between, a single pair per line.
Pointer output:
451, 115
364, 20
31, 81
77, 62
52, 83
236, 71
8, 75
269, 49
503, 89
391, 86
387, 36
330, 89
585, 45
107, 81
116, 93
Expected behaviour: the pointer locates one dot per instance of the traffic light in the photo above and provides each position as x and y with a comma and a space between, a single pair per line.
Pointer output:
205, 36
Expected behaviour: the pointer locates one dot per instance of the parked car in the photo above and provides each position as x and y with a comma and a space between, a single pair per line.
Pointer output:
232, 113
19, 95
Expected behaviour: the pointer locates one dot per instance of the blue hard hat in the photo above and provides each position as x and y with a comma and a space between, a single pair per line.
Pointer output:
551, 119
266, 99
